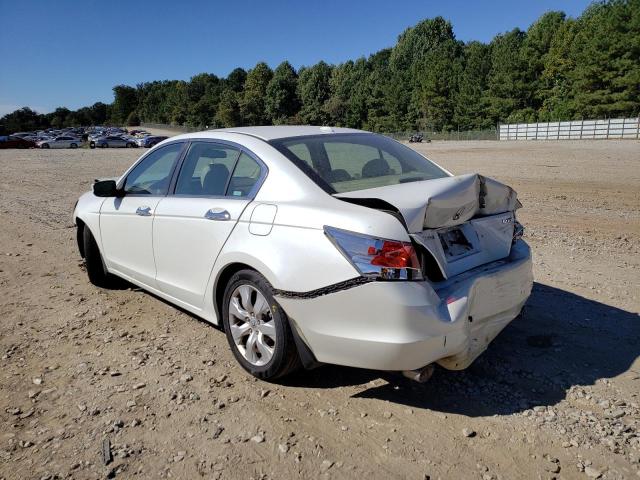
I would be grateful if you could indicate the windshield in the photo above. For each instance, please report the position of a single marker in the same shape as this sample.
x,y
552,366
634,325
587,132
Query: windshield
x,y
356,161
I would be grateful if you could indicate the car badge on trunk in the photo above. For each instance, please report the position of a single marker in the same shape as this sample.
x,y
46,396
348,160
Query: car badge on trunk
x,y
458,213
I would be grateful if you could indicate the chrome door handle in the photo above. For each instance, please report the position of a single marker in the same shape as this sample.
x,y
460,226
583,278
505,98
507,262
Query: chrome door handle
x,y
143,211
217,214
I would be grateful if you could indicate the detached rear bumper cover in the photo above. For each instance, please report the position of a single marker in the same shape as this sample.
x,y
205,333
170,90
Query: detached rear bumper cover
x,y
407,325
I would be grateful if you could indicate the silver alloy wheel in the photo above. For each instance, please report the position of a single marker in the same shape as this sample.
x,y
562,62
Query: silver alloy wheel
x,y
252,326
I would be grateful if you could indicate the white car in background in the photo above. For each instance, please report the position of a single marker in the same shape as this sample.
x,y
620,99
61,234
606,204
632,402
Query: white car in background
x,y
314,245
64,141
113,141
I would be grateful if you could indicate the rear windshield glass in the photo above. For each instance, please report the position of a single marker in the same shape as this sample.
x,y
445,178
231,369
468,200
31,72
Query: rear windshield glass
x,y
356,161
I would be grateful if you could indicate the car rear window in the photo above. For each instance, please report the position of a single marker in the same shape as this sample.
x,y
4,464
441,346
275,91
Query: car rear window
x,y
349,162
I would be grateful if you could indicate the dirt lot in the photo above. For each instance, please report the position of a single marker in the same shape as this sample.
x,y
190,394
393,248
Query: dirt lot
x,y
556,396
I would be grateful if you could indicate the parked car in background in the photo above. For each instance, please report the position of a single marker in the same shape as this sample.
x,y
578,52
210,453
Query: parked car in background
x,y
138,133
93,136
315,244
150,140
31,137
140,140
63,141
16,142
112,141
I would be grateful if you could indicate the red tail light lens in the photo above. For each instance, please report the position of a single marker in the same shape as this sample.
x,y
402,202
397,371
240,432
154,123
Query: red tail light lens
x,y
376,257
394,255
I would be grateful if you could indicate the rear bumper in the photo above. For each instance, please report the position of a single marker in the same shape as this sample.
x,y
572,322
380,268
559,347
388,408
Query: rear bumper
x,y
407,325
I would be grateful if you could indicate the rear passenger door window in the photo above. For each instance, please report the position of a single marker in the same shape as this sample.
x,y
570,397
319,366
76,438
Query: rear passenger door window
x,y
206,170
216,170
245,177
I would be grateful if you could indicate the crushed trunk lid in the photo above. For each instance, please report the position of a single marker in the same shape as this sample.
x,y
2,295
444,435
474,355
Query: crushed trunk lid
x,y
442,202
463,221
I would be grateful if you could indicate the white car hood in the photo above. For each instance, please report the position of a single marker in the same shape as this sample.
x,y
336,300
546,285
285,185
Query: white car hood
x,y
443,202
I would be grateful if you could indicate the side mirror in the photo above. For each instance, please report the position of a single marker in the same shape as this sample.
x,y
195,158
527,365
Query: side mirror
x,y
106,188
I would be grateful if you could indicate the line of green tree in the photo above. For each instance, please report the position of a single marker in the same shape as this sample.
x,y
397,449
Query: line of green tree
x,y
559,69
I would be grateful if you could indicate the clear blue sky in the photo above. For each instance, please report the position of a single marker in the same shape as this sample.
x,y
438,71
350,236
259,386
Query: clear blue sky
x,y
71,53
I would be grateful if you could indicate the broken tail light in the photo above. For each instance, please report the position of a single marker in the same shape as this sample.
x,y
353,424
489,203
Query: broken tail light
x,y
379,258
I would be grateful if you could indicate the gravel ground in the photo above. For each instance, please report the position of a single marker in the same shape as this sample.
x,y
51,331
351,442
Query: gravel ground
x,y
86,371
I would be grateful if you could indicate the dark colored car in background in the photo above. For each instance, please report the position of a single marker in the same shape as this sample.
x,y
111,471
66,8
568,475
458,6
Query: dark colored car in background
x,y
150,141
16,142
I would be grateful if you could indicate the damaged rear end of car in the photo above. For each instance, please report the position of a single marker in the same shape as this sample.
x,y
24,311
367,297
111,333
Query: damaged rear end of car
x,y
439,295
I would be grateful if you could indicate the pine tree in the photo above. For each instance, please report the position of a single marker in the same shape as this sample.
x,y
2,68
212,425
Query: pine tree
x,y
469,103
252,103
281,98
313,90
228,113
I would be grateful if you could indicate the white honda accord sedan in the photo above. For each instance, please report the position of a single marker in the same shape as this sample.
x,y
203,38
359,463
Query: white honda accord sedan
x,y
313,245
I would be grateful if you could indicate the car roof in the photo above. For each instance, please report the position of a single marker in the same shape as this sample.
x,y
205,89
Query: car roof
x,y
283,131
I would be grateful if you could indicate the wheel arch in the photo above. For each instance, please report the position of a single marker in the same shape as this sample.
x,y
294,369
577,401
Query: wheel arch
x,y
86,214
81,226
222,279
305,354
80,235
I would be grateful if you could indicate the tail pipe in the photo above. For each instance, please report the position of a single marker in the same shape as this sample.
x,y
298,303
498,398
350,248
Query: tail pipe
x,y
421,375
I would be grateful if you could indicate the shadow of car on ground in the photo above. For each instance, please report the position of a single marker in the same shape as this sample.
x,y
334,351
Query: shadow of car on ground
x,y
560,340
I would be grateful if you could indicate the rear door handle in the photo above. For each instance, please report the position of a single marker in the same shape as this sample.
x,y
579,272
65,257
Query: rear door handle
x,y
217,214
143,211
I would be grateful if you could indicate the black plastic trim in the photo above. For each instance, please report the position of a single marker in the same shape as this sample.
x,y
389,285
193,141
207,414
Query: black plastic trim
x,y
336,287
308,359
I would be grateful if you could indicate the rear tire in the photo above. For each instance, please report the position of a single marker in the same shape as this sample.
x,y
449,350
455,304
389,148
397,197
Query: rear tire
x,y
74,145
104,145
96,269
92,145
284,358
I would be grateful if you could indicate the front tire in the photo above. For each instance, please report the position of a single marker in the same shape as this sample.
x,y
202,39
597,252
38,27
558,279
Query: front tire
x,y
45,145
74,145
257,328
96,269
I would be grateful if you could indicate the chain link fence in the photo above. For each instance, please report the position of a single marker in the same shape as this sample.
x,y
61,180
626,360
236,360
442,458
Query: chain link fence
x,y
489,134
174,128
457,135
611,128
